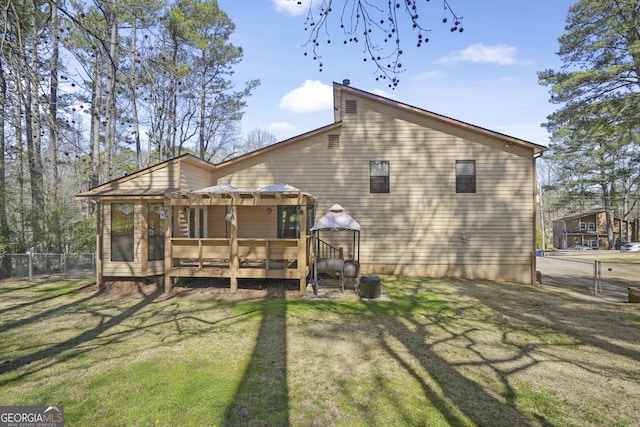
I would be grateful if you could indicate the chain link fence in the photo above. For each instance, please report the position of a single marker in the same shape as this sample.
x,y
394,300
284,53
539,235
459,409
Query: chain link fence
x,y
609,280
35,265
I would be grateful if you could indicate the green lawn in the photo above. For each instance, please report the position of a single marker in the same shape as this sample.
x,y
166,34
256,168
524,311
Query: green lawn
x,y
442,352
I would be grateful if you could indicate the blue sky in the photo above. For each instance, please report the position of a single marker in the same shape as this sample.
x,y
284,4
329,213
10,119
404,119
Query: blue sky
x,y
486,76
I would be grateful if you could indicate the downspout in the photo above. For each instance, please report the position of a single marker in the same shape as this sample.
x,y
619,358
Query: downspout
x,y
534,216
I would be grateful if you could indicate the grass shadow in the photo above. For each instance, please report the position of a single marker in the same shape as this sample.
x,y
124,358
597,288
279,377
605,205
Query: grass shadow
x,y
412,321
42,300
585,321
78,342
262,398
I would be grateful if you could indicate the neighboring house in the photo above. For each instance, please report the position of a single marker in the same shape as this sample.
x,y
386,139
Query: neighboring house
x,y
434,196
589,228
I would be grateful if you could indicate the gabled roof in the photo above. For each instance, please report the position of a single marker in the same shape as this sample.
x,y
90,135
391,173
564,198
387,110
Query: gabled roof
x,y
588,212
280,145
339,90
112,188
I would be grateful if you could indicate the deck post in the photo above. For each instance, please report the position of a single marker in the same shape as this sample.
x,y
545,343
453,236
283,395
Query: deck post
x,y
302,246
232,219
168,230
99,249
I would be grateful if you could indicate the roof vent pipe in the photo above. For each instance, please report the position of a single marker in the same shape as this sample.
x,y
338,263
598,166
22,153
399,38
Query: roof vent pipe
x,y
346,82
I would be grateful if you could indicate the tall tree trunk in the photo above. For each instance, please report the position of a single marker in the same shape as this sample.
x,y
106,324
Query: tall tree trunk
x,y
110,101
33,129
606,198
35,164
203,113
134,101
96,100
172,125
4,222
55,228
22,209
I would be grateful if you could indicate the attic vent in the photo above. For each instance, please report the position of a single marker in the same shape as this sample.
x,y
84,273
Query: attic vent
x,y
334,141
351,107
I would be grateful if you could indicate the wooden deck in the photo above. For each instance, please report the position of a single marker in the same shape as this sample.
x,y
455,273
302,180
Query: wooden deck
x,y
256,259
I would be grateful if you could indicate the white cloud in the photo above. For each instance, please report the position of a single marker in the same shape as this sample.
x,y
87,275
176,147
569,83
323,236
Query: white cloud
x,y
291,7
501,54
312,96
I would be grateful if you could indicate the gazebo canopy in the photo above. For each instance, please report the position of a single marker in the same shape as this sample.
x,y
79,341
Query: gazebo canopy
x,y
336,219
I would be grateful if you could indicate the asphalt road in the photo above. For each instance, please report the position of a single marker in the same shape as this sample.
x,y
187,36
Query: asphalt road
x,y
572,272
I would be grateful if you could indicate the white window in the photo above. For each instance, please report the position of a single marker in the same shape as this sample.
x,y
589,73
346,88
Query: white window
x,y
465,176
583,226
379,176
592,226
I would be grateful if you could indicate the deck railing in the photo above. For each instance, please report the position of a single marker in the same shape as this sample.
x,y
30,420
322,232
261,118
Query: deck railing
x,y
202,253
325,250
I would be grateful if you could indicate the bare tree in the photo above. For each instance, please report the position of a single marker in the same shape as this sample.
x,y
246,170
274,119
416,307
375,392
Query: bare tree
x,y
256,139
375,25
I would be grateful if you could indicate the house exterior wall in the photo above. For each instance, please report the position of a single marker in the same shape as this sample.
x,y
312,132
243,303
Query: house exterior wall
x,y
422,226
216,224
257,222
193,177
158,179
601,222
187,172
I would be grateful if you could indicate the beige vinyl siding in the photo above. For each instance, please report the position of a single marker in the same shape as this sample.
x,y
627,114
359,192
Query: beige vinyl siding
x,y
194,178
256,222
216,224
155,268
171,175
417,228
158,179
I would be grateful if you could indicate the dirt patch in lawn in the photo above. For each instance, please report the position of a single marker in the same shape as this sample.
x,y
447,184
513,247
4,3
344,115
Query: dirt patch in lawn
x,y
198,289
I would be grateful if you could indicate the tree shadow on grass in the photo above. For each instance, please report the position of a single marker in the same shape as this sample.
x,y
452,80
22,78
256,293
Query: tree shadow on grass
x,y
64,348
262,397
589,322
39,301
458,398
474,345
428,340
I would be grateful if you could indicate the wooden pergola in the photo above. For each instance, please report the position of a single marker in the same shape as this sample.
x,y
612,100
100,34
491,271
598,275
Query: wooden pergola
x,y
248,246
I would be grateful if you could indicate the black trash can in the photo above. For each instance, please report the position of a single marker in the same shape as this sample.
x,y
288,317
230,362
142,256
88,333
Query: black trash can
x,y
370,287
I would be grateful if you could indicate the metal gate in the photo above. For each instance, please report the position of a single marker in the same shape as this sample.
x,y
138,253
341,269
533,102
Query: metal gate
x,y
608,280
